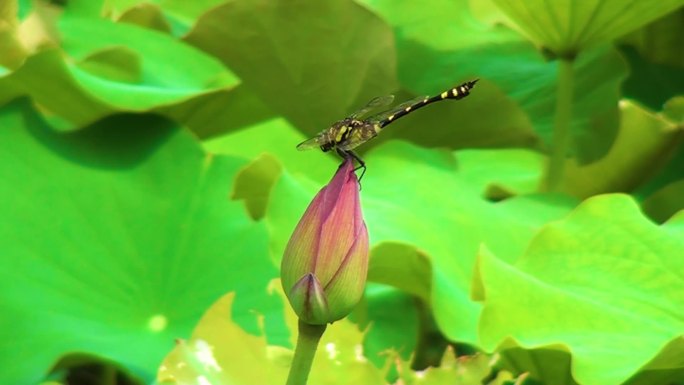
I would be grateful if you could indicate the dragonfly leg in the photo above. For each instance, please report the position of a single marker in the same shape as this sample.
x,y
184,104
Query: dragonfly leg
x,y
346,154
362,164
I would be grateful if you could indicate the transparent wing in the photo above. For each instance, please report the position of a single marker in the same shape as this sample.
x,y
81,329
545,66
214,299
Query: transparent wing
x,y
380,101
309,144
383,115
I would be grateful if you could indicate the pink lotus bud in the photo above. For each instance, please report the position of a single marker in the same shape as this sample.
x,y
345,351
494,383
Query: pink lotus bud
x,y
326,260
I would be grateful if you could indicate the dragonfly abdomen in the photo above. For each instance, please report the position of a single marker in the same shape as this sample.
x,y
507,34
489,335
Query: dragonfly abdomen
x,y
458,92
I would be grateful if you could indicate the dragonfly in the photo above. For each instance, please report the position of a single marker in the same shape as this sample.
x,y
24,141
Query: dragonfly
x,y
345,135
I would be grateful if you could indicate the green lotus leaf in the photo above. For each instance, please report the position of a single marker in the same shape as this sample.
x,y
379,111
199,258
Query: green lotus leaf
x,y
212,354
470,370
656,62
674,110
463,209
651,83
180,14
115,63
646,141
664,203
676,224
278,138
113,67
536,365
412,275
146,15
389,318
254,184
221,112
13,54
48,80
9,13
115,239
508,172
24,8
659,41
192,71
568,27
668,171
603,284
311,76
92,9
443,42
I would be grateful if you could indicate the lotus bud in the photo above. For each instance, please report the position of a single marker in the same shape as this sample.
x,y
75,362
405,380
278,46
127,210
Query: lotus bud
x,y
325,264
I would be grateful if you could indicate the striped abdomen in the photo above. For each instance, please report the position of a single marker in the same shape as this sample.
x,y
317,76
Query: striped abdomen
x,y
457,92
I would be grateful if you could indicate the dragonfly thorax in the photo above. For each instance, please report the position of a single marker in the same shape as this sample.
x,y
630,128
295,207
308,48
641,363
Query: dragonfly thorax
x,y
347,134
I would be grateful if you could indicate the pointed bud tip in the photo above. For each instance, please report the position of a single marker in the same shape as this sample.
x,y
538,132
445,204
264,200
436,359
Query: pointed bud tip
x,y
309,301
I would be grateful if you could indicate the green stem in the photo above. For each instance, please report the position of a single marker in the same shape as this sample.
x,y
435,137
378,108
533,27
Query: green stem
x,y
307,342
561,129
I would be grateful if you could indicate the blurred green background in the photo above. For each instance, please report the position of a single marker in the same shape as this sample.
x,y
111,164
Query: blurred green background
x,y
148,167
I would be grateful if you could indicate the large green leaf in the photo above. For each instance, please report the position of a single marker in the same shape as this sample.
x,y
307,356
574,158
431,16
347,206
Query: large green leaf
x,y
278,138
645,143
389,318
181,14
419,198
567,27
662,204
503,172
310,61
652,83
660,40
412,275
674,109
192,71
444,41
676,224
604,284
114,241
220,352
113,67
46,78
9,13
24,7
221,112
146,15
401,196
13,53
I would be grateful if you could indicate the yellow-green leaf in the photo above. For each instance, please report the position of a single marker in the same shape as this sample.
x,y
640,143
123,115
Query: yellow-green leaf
x,y
568,26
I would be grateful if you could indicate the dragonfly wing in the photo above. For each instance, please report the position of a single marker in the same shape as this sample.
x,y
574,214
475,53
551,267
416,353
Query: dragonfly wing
x,y
380,101
309,144
383,115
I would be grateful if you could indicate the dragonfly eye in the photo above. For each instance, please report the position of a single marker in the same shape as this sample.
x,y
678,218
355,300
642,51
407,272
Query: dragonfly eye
x,y
326,147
